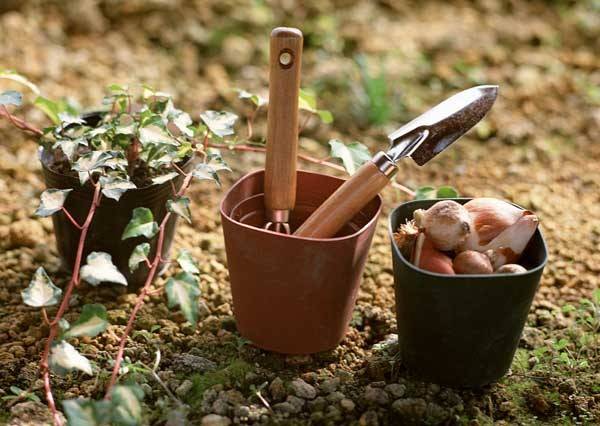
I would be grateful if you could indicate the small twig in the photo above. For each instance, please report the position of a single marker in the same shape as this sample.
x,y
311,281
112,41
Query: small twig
x,y
181,172
205,141
304,123
403,188
71,219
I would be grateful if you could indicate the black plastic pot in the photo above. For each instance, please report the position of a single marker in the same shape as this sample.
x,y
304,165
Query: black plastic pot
x,y
110,219
461,330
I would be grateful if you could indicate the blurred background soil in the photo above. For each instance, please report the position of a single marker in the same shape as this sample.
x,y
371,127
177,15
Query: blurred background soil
x,y
374,65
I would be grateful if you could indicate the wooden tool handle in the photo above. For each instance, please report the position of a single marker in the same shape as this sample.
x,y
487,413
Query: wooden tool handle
x,y
282,131
344,203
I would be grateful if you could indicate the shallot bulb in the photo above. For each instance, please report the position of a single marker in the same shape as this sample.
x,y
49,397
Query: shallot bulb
x,y
472,262
447,224
511,268
510,244
427,257
500,230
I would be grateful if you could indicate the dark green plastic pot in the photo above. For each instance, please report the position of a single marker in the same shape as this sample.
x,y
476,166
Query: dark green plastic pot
x,y
461,330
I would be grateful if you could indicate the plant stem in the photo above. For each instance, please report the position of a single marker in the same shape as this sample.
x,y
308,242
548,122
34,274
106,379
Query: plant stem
x,y
249,148
19,123
64,305
145,290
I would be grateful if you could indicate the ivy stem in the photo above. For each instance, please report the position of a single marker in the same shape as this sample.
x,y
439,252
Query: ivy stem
x,y
304,157
20,123
155,263
71,219
64,305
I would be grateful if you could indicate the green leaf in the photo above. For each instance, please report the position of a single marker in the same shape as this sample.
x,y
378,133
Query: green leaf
x,y
87,412
126,406
100,268
153,134
181,207
89,163
182,290
138,255
352,155
164,178
11,97
41,290
187,262
65,358
14,76
205,171
425,193
307,100
446,192
219,122
48,107
51,201
255,99
141,223
430,193
92,321
325,116
596,296
115,187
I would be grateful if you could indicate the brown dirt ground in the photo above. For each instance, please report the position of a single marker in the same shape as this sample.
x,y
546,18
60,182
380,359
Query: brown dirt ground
x,y
537,149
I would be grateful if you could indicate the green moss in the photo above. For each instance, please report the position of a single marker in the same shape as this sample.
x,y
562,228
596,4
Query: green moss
x,y
231,375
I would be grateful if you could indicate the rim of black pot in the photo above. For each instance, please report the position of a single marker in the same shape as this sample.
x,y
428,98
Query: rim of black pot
x,y
391,232
374,217
91,116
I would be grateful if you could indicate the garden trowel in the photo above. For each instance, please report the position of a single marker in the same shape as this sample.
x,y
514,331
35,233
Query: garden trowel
x,y
421,139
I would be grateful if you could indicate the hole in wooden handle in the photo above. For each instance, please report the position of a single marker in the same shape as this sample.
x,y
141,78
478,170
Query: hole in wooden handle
x,y
286,58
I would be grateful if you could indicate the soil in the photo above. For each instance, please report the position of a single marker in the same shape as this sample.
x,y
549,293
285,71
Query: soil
x,y
537,148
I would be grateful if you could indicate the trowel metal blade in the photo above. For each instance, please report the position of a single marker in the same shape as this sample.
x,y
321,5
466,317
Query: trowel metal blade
x,y
433,131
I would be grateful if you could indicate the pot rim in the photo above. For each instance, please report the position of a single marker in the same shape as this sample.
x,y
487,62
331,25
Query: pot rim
x,y
374,217
76,184
406,263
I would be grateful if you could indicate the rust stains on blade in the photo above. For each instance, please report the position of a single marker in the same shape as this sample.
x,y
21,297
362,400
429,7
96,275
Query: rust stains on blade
x,y
448,129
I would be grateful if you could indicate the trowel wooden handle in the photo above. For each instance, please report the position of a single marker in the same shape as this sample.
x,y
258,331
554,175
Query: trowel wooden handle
x,y
344,203
282,131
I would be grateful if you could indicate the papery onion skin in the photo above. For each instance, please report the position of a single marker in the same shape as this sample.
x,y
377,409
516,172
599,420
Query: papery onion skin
x,y
447,224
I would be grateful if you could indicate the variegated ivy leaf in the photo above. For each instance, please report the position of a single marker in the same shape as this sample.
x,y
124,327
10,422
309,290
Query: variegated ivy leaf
x,y
87,412
141,224
89,163
41,291
182,120
209,169
97,131
255,99
181,207
92,321
138,255
187,262
100,268
67,119
115,187
126,406
353,155
11,97
65,358
153,134
69,146
51,201
182,290
219,122
164,178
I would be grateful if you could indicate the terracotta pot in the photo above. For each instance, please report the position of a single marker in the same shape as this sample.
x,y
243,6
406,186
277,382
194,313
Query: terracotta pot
x,y
461,330
290,294
110,220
